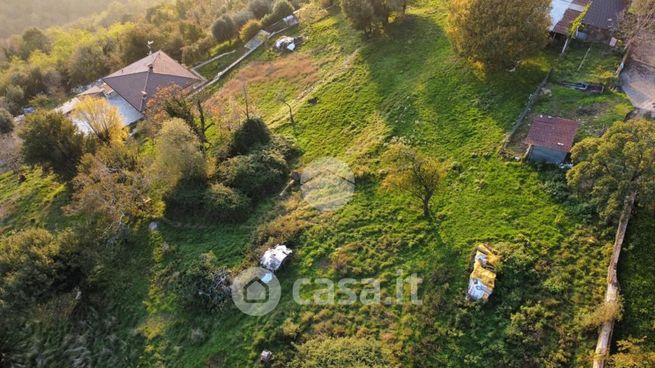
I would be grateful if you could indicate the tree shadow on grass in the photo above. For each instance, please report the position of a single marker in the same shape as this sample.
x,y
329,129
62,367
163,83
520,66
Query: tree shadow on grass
x,y
429,89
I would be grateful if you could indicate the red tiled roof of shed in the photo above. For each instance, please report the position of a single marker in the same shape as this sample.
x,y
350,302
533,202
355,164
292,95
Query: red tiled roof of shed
x,y
553,133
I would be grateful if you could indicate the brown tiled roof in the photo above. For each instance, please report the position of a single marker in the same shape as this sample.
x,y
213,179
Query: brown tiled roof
x,y
564,25
553,133
605,14
141,80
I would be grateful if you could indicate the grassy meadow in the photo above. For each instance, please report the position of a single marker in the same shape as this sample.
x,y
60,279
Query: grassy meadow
x,y
406,82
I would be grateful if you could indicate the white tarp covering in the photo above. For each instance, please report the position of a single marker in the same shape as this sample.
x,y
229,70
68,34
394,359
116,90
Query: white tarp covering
x,y
478,290
273,259
284,42
291,20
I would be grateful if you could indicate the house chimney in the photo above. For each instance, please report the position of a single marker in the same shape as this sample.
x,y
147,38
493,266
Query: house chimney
x,y
151,67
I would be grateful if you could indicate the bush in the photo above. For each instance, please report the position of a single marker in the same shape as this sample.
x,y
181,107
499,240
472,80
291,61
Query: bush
x,y
187,199
6,122
259,8
242,17
281,9
30,267
54,142
285,146
606,312
257,174
15,97
223,29
225,204
250,30
206,284
325,3
252,134
343,352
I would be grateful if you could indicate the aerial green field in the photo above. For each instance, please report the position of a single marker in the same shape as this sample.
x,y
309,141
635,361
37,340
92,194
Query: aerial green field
x,y
406,83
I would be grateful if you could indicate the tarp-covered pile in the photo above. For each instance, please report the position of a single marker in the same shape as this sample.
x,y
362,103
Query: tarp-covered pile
x,y
483,277
273,259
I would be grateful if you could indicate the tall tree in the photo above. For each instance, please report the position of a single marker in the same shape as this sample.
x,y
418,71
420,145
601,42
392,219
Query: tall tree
x,y
111,191
6,122
29,267
224,29
414,172
178,156
10,155
87,64
609,169
52,141
615,171
102,119
171,102
34,39
498,33
360,13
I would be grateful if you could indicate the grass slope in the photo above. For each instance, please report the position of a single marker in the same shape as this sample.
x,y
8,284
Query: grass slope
x,y
405,83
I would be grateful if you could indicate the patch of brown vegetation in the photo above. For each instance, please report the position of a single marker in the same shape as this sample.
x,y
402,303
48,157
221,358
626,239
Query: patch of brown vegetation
x,y
6,209
296,69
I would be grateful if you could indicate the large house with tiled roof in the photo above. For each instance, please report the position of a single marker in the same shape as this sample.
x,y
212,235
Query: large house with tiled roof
x,y
130,88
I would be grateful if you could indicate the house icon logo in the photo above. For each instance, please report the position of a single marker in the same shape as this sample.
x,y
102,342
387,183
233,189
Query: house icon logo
x,y
256,291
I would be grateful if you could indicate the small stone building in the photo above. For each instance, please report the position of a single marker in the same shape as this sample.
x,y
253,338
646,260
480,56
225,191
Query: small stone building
x,y
550,139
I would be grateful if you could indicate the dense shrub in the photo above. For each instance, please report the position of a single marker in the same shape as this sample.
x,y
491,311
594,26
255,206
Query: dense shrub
x,y
325,3
257,174
223,29
15,98
250,30
186,199
259,8
205,283
343,352
242,17
29,267
281,9
216,202
54,142
252,134
285,146
191,54
225,204
6,122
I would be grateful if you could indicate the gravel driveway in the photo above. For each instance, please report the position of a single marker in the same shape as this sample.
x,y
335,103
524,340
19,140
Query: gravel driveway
x,y
638,77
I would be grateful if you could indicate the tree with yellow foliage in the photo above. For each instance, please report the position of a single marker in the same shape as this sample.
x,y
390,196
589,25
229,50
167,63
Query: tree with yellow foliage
x,y
414,172
102,119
